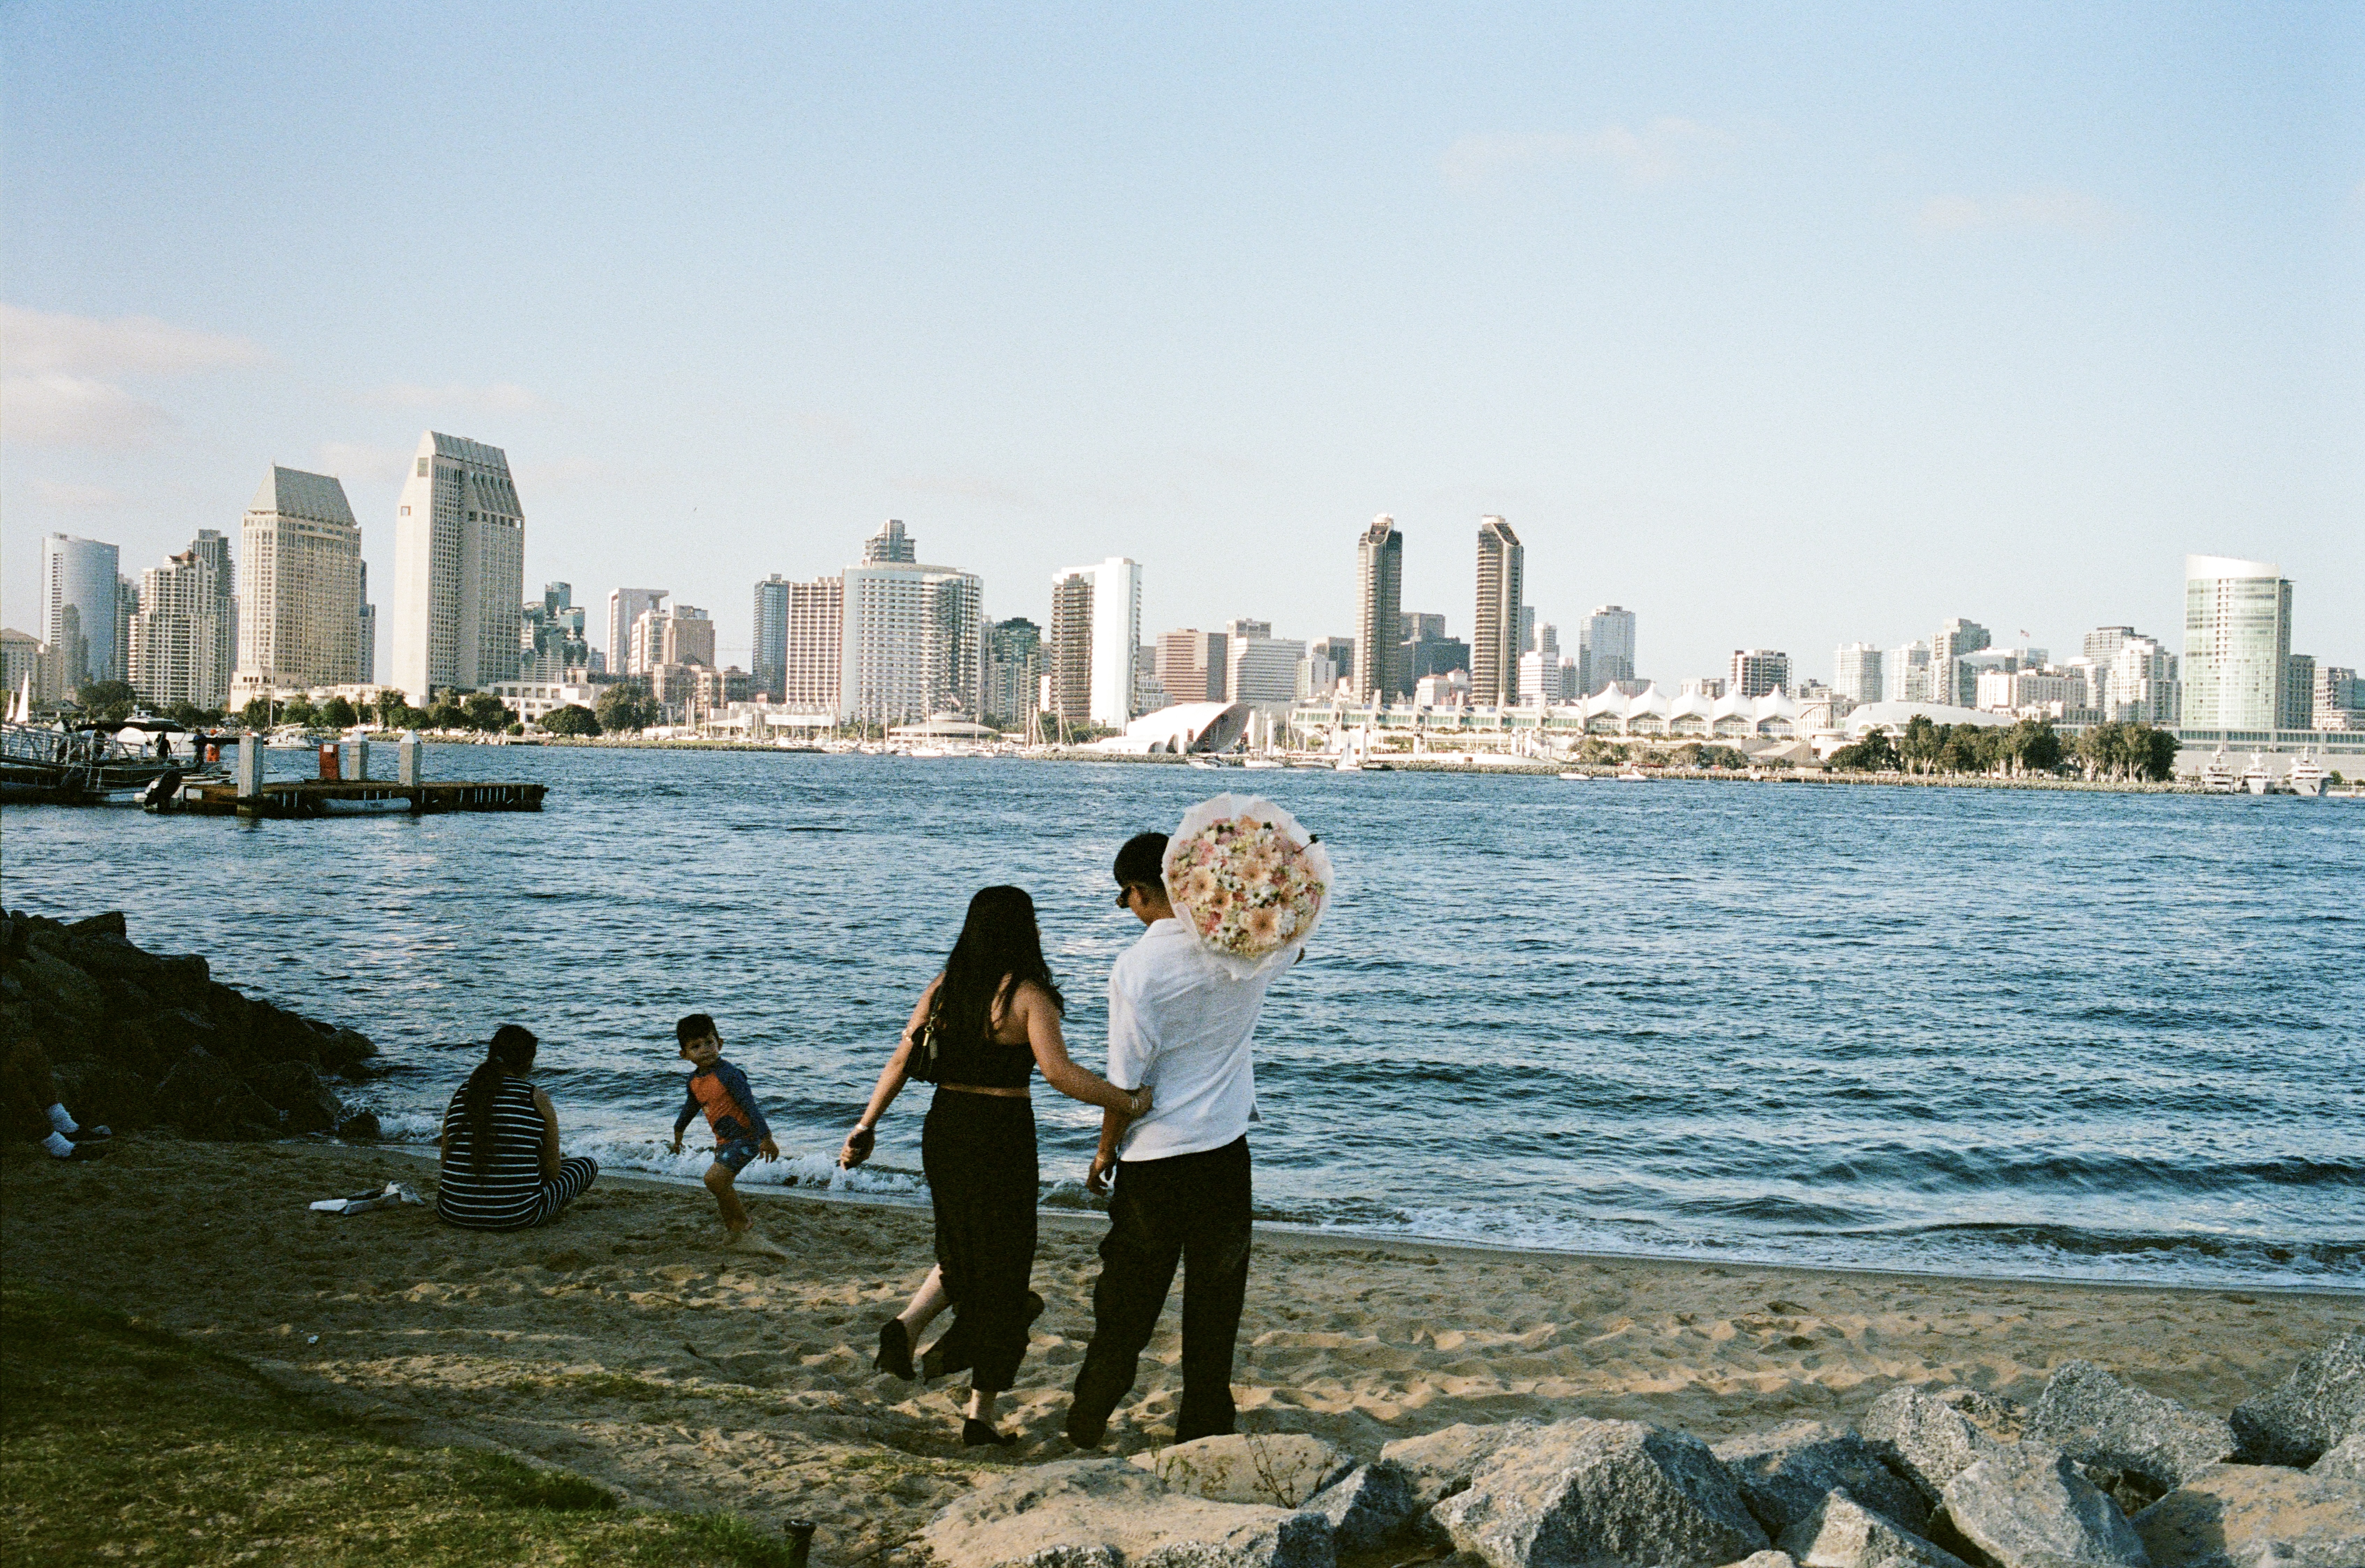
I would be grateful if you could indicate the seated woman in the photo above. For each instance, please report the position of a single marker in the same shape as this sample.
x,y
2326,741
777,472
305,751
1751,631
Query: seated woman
x,y
501,1169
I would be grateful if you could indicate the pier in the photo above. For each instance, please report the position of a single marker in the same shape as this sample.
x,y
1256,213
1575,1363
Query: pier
x,y
355,797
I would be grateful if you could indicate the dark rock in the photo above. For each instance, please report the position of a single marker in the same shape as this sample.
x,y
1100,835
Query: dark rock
x,y
52,980
2321,1402
1583,1491
2027,1507
296,1091
105,1095
1785,1475
107,924
2246,1516
1924,1439
203,1097
1840,1532
346,1051
2105,1425
360,1124
1368,1508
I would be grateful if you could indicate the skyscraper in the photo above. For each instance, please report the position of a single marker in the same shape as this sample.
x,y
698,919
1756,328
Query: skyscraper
x,y
1014,672
180,639
625,607
78,588
1379,590
913,636
1855,672
890,546
1606,648
459,569
814,643
770,653
368,633
1953,681
2237,642
1905,673
1494,634
2297,709
1095,633
1758,672
1192,666
299,573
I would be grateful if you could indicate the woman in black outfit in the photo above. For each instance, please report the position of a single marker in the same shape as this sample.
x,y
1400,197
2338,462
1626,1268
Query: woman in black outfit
x,y
994,1016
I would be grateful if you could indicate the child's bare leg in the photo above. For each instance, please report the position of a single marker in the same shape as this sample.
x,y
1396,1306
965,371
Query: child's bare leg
x,y
926,1302
722,1181
980,1406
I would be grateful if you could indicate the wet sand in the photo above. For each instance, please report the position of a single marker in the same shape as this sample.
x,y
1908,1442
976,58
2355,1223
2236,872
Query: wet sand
x,y
624,1343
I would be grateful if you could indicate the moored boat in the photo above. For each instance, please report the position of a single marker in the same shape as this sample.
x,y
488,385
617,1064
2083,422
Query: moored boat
x,y
2307,778
2217,776
2256,778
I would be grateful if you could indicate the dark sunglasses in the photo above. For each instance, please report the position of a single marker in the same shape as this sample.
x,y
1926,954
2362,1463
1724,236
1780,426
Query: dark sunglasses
x,y
1124,894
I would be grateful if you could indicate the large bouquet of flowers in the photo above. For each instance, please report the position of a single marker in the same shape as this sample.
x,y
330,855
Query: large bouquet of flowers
x,y
1249,882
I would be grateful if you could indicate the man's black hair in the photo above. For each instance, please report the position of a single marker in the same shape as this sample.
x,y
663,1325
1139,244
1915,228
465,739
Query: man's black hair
x,y
697,1027
1143,860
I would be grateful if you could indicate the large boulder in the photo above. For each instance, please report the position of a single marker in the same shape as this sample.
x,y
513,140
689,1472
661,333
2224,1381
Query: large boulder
x,y
1441,1463
2246,1516
51,982
2319,1402
1785,1475
1840,1532
2106,1426
1280,1470
296,1091
203,1097
1924,1439
1369,1506
104,1096
2345,1458
1601,1491
2027,1507
1107,1513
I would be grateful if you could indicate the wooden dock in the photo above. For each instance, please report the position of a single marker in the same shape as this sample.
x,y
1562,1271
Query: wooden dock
x,y
357,797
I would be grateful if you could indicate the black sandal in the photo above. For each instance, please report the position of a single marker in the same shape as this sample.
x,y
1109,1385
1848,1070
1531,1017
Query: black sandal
x,y
976,1434
895,1349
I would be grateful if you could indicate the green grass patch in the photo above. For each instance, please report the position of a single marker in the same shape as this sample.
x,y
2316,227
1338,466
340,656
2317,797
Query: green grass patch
x,y
120,1443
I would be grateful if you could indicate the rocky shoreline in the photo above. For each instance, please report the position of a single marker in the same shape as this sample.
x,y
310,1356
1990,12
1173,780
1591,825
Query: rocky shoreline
x,y
141,1039
2096,1472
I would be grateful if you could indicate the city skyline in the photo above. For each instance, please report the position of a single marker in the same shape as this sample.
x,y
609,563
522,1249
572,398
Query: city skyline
x,y
1719,310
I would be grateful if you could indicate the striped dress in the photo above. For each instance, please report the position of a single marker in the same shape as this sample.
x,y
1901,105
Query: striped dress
x,y
509,1194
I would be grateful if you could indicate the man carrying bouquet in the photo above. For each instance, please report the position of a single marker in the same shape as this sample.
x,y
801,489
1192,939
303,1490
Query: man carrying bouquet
x,y
1179,1021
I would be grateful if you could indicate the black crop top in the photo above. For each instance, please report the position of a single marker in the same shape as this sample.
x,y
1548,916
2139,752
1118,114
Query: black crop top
x,y
985,1063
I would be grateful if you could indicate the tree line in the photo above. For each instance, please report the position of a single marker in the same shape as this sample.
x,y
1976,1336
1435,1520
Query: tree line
x,y
2117,750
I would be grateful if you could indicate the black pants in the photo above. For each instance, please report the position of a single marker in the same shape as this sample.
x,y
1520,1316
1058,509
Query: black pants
x,y
979,1153
1192,1209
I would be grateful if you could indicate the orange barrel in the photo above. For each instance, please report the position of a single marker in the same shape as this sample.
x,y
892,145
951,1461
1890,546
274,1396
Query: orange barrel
x,y
328,763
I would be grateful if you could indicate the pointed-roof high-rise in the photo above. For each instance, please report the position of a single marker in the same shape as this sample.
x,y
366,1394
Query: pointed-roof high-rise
x,y
459,570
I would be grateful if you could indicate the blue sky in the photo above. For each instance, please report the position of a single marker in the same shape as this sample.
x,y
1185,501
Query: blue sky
x,y
1782,325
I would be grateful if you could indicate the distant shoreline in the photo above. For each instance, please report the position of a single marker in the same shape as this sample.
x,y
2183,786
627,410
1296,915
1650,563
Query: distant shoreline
x,y
1600,773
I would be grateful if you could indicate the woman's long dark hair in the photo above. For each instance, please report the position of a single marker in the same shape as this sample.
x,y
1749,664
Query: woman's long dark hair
x,y
512,1051
999,950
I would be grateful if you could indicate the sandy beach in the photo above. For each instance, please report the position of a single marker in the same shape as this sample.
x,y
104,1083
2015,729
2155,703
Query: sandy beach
x,y
625,1344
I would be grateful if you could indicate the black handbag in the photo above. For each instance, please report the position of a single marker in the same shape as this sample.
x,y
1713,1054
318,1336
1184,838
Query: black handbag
x,y
926,1060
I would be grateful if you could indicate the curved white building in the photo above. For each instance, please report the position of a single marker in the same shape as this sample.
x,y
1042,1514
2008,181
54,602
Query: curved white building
x,y
1185,726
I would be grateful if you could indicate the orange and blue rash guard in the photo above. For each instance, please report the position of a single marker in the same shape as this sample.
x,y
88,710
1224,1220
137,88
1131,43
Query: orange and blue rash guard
x,y
722,1092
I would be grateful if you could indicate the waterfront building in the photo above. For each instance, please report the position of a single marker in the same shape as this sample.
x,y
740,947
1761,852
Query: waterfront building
x,y
1192,666
1494,638
533,701
1327,661
78,588
2061,691
1095,643
770,653
1014,672
1450,690
459,569
891,546
626,608
1758,671
181,648
813,645
20,664
1905,673
2297,709
1547,678
1953,681
2236,644
913,636
1261,671
2338,701
2140,684
300,591
127,605
1379,592
1855,672
1605,647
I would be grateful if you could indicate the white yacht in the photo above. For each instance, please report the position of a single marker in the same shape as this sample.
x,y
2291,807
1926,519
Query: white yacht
x,y
2217,776
2306,779
2256,778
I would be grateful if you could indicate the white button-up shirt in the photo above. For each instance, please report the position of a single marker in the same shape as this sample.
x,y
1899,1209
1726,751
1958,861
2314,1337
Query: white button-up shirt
x,y
1179,1024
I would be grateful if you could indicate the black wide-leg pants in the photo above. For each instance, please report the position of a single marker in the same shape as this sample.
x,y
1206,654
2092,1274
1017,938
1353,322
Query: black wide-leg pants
x,y
1192,1209
978,1151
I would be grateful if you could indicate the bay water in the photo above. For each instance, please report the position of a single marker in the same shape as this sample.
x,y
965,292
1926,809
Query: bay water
x,y
1987,1031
